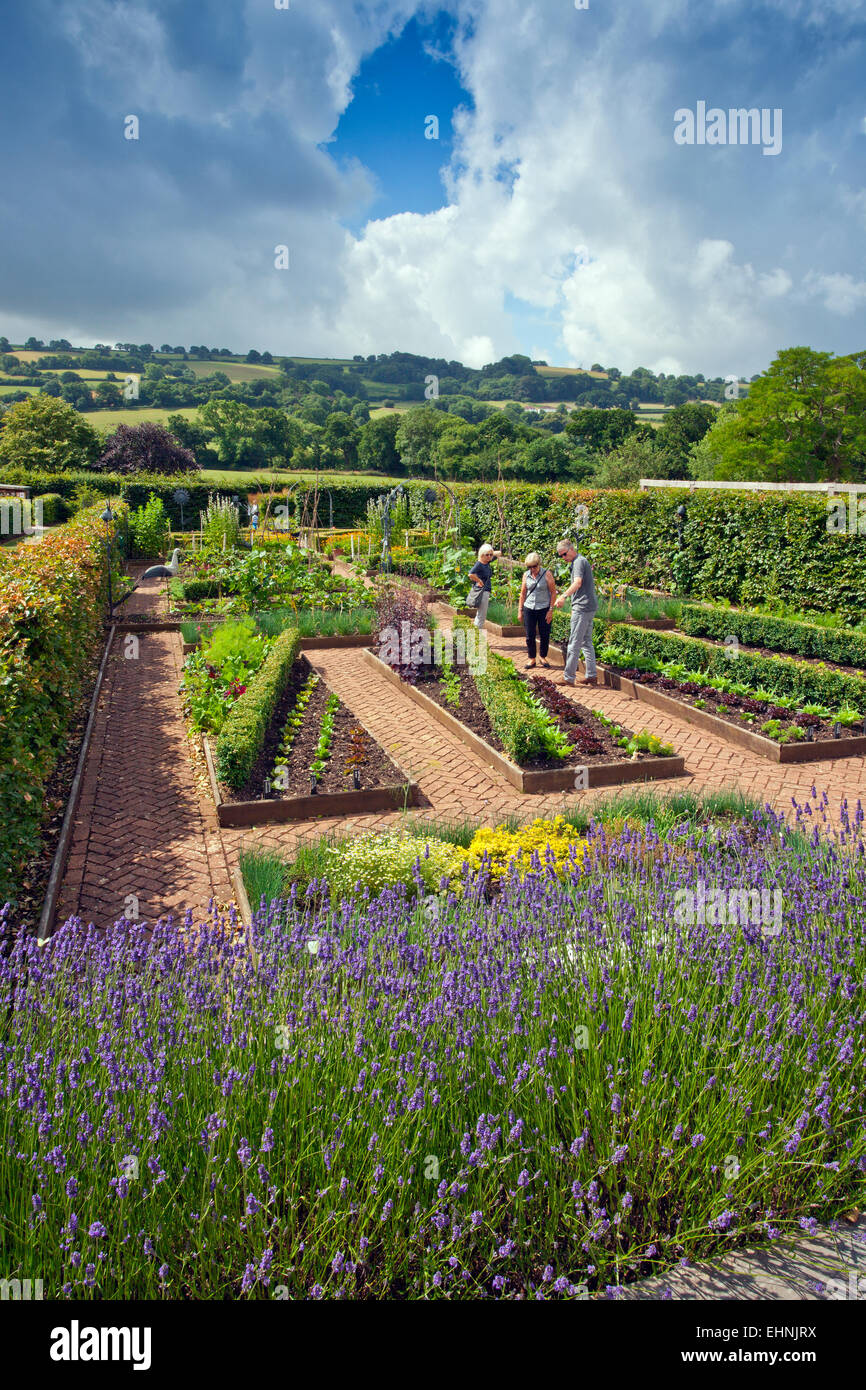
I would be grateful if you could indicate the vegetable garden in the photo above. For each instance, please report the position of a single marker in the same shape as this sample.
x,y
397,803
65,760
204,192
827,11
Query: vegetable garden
x,y
427,1055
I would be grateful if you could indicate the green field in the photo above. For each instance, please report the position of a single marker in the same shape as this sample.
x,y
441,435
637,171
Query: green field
x,y
110,419
237,479
235,371
569,371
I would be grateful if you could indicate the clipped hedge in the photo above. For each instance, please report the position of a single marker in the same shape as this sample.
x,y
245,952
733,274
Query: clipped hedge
x,y
747,548
52,605
811,684
54,508
195,590
243,735
780,634
516,723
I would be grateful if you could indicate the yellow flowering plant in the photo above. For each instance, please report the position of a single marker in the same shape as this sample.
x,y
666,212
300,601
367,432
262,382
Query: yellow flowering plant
x,y
558,846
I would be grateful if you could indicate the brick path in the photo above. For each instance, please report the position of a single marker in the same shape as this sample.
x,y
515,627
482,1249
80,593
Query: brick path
x,y
142,829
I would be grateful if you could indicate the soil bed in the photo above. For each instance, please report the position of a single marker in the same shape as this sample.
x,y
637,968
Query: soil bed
x,y
609,765
722,719
730,707
350,740
592,741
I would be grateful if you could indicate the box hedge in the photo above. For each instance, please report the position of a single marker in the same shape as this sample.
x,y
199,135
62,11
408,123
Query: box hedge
x,y
779,634
242,737
518,725
813,684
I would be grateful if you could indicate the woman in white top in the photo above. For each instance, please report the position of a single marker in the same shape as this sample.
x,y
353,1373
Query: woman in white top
x,y
535,607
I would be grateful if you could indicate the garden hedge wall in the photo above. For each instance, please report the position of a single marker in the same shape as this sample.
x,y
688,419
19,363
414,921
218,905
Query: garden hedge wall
x,y
779,634
784,676
52,605
743,547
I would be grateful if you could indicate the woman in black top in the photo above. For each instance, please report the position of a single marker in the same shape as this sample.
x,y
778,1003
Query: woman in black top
x,y
481,575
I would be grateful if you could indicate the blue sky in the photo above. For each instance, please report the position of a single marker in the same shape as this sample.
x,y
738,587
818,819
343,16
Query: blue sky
x,y
406,80
555,215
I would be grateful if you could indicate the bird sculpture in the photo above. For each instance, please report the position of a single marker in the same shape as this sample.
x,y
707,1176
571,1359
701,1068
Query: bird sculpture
x,y
169,571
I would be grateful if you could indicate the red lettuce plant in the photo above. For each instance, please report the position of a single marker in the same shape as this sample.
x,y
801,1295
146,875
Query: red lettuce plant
x,y
403,627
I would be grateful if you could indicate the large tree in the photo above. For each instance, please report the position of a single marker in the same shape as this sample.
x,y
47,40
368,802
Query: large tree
x,y
147,448
602,430
48,434
804,420
417,434
377,447
681,428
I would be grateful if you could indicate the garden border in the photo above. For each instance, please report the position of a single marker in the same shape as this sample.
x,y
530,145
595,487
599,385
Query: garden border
x,y
731,733
532,780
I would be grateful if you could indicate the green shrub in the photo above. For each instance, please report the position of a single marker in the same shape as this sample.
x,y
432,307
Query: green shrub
x,y
779,674
148,528
242,736
780,634
54,508
525,730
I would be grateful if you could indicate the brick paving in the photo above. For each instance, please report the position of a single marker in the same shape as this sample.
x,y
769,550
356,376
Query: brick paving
x,y
142,828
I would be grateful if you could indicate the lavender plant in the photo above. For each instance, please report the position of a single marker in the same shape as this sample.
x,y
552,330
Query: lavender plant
x,y
568,1087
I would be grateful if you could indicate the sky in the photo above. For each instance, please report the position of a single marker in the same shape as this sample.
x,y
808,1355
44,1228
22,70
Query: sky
x,y
560,210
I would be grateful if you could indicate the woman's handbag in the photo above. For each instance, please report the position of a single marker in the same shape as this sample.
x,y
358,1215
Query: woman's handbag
x,y
473,598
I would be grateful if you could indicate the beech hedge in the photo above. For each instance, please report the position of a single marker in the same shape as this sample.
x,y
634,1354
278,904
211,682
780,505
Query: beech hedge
x,y
52,606
746,548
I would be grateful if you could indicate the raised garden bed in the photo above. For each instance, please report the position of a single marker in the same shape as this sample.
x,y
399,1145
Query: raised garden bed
x,y
724,723
605,768
279,786
314,644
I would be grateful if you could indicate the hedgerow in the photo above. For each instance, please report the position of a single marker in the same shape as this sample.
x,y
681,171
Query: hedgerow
x,y
242,736
52,597
780,634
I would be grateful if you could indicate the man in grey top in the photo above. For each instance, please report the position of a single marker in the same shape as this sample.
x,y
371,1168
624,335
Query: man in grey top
x,y
584,605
